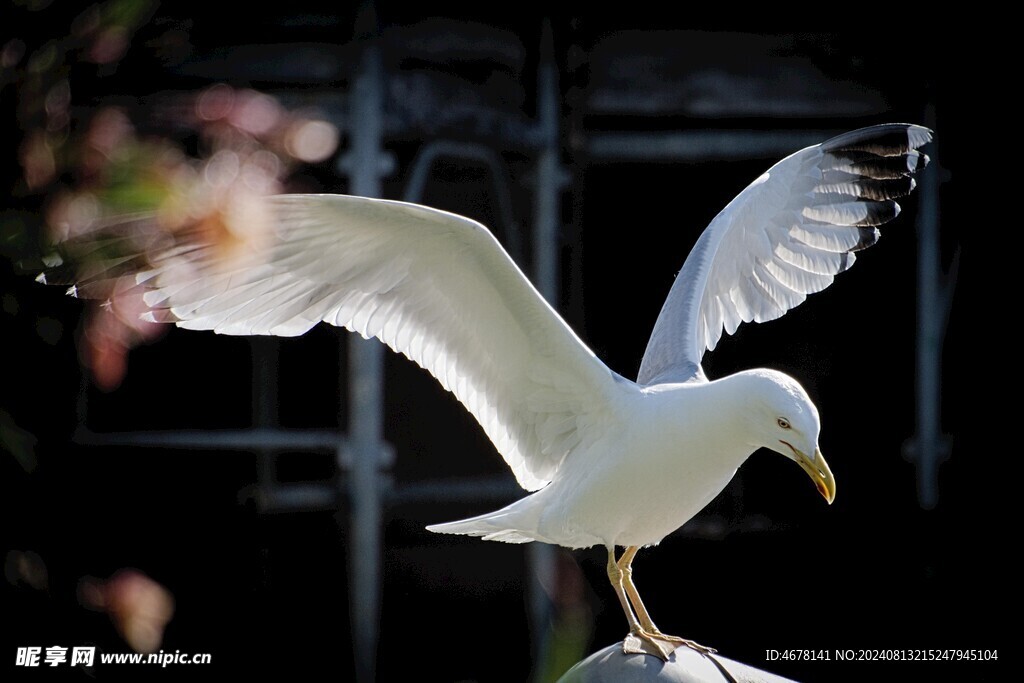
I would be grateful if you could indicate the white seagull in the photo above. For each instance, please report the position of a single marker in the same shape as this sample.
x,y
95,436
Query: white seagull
x,y
608,461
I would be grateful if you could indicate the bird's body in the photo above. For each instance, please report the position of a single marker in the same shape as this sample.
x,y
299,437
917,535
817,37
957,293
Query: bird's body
x,y
645,474
610,461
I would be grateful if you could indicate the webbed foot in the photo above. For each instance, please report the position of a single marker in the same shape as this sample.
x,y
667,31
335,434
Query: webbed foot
x,y
659,645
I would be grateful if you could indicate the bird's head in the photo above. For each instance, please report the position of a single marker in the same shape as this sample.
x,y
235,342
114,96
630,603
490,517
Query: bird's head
x,y
786,421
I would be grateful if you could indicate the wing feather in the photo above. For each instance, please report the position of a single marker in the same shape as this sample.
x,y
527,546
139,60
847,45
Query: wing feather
x,y
433,286
785,236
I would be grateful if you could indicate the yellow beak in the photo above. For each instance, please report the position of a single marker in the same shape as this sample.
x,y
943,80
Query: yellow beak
x,y
817,469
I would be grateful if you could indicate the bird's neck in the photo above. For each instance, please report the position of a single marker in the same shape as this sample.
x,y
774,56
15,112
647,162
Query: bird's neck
x,y
716,413
743,393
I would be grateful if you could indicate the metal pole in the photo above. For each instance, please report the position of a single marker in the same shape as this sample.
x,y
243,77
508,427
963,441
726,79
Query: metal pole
x,y
928,447
699,145
549,179
264,411
366,379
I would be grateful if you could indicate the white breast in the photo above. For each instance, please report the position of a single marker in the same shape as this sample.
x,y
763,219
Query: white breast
x,y
674,450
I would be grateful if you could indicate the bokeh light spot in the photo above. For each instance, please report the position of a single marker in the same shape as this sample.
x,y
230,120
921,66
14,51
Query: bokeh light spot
x,y
312,141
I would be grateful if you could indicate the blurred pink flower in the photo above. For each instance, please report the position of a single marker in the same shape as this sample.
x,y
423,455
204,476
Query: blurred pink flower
x,y
139,606
111,330
135,199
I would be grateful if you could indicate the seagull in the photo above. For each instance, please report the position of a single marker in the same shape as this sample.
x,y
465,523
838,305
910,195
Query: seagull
x,y
608,461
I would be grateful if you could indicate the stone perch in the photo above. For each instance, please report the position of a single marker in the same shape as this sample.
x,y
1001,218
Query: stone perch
x,y
612,665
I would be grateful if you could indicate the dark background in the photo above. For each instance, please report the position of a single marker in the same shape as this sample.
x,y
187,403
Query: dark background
x,y
767,566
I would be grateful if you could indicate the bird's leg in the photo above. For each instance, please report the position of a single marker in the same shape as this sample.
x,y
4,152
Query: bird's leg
x,y
625,567
638,641
625,564
615,576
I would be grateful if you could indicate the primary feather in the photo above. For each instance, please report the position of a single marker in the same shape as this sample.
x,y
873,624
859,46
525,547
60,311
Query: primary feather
x,y
785,236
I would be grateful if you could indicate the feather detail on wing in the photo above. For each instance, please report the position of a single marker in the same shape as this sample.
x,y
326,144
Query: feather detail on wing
x,y
785,236
432,285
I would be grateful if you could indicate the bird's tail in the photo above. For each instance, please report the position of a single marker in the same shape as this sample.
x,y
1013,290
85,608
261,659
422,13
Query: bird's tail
x,y
509,525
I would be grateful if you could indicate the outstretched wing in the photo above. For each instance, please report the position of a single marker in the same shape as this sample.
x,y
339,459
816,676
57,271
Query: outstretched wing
x,y
785,236
432,285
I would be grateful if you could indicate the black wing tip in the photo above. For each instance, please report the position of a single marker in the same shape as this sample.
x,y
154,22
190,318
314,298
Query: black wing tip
x,y
920,162
878,213
868,237
885,139
868,189
863,164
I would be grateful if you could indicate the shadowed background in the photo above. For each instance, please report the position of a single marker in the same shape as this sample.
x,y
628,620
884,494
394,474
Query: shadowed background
x,y
661,120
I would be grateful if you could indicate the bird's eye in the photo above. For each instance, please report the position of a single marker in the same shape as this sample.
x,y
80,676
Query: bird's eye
x,y
784,423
